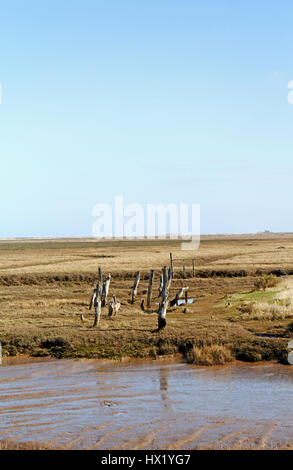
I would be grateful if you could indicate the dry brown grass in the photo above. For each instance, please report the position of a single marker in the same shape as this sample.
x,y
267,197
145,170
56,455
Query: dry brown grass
x,y
43,317
214,354
266,282
279,307
250,253
265,311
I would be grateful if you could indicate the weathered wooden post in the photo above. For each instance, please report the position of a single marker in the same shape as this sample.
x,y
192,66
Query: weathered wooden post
x,y
193,268
162,314
97,291
113,306
171,264
165,282
161,285
184,270
135,286
186,296
178,295
150,288
93,297
117,305
165,299
105,289
0,354
97,311
169,279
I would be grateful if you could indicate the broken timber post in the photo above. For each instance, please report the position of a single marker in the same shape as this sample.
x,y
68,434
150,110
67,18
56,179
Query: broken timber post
x,y
93,297
135,286
162,314
161,285
150,288
113,306
171,264
97,291
105,289
178,295
97,311
165,299
169,274
166,283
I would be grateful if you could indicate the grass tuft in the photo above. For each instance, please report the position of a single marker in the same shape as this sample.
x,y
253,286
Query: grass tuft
x,y
214,354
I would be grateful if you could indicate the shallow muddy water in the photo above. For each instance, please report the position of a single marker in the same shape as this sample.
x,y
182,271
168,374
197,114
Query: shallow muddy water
x,y
146,404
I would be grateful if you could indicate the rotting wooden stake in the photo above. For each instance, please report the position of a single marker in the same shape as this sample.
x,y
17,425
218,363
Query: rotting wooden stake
x,y
150,288
113,307
178,295
93,297
135,286
169,279
171,264
161,285
97,312
166,283
162,314
165,299
97,291
105,290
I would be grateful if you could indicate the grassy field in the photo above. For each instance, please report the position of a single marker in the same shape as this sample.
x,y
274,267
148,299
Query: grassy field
x,y
45,285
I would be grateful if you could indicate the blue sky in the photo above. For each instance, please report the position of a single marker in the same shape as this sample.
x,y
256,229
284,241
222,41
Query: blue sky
x,y
156,100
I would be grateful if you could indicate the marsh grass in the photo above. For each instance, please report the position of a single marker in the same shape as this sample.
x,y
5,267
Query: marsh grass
x,y
265,282
277,305
209,355
265,311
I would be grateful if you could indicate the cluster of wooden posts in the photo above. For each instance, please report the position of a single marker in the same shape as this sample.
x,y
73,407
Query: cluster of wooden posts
x,y
99,299
100,293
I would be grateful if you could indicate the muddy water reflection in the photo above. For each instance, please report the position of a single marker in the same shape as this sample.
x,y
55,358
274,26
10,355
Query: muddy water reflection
x,y
153,405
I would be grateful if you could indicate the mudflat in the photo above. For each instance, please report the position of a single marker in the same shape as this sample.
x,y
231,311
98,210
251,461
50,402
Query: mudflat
x,y
142,404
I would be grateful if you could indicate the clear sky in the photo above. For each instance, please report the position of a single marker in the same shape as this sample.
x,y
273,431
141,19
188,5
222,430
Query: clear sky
x,y
172,101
